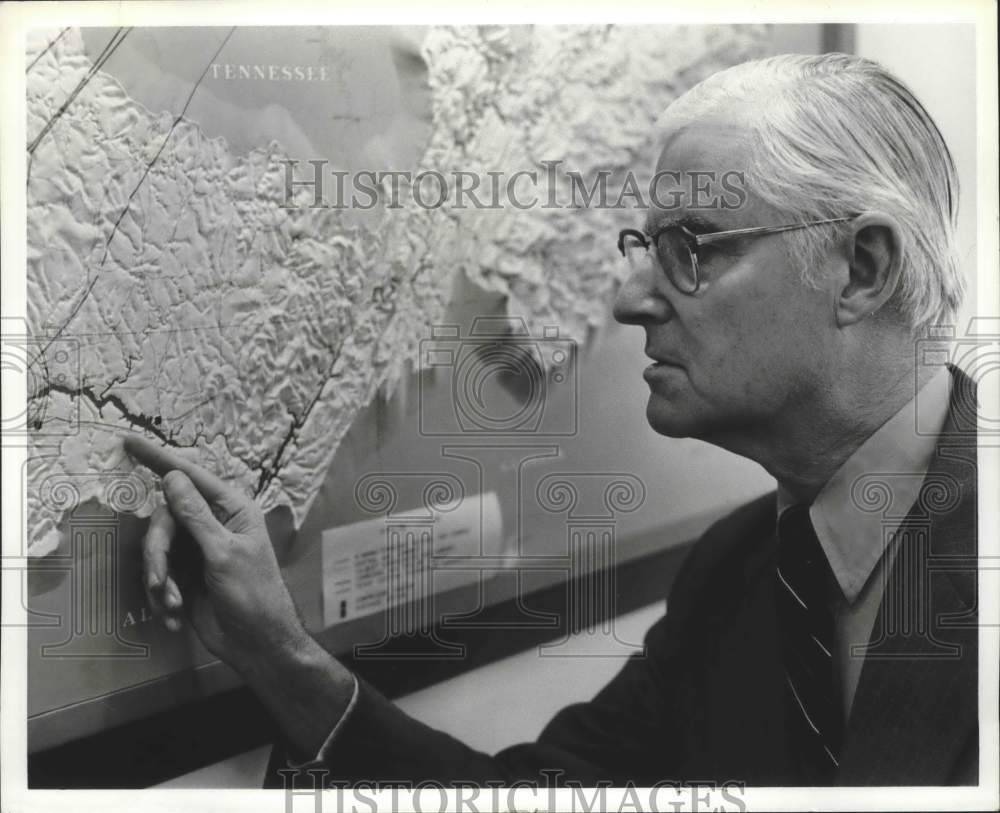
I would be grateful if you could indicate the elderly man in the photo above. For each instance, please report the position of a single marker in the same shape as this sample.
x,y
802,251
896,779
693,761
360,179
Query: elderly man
x,y
807,640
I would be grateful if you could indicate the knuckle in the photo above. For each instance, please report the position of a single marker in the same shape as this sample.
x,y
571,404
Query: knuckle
x,y
225,554
175,479
186,506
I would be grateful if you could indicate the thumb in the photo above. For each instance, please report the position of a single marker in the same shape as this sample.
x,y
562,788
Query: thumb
x,y
193,513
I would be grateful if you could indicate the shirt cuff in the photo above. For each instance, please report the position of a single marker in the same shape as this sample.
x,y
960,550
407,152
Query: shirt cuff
x,y
325,747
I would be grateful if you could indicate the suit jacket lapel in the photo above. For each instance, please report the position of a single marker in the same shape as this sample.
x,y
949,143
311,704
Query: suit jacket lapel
x,y
916,707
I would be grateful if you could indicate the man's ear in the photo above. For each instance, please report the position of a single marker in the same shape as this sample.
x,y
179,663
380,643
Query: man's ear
x,y
874,267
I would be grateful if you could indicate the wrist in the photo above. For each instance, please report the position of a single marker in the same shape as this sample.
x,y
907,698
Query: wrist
x,y
290,651
306,690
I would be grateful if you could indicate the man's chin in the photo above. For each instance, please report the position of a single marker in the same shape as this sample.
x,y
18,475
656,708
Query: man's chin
x,y
670,421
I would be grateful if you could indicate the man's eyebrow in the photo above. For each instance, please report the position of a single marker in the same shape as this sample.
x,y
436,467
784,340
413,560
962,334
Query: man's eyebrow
x,y
694,223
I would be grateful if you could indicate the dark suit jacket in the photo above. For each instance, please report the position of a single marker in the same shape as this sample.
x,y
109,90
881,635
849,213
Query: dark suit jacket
x,y
707,701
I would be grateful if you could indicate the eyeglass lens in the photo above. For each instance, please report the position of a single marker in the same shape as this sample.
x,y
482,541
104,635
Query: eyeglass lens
x,y
672,254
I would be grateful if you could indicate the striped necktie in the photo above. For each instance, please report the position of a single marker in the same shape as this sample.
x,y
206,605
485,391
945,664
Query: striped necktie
x,y
806,624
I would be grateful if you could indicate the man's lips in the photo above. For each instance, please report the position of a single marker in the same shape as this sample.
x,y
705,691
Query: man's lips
x,y
663,360
660,367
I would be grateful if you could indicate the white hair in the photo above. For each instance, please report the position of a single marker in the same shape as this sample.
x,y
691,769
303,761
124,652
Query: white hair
x,y
835,135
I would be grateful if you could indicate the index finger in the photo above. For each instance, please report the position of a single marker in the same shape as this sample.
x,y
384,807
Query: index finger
x,y
160,460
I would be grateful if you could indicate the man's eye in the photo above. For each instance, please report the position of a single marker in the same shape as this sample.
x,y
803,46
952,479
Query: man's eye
x,y
724,248
706,254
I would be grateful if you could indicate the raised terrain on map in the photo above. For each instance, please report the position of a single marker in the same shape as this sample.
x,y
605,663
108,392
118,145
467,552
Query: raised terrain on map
x,y
171,292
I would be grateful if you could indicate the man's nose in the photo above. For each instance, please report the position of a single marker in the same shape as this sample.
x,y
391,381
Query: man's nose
x,y
641,299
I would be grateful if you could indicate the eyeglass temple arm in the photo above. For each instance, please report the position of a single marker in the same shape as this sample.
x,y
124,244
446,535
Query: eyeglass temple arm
x,y
705,239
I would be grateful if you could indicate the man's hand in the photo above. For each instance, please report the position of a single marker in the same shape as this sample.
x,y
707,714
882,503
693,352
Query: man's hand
x,y
231,588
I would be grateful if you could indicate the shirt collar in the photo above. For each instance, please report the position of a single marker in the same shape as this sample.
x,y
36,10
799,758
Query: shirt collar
x,y
852,538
